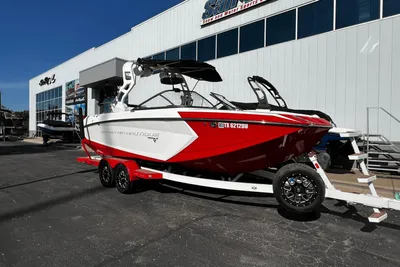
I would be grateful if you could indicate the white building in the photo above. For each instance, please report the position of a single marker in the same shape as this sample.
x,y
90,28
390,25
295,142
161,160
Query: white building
x,y
337,56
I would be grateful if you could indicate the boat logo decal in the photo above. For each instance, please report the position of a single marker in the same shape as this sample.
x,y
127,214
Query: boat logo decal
x,y
232,125
150,135
155,139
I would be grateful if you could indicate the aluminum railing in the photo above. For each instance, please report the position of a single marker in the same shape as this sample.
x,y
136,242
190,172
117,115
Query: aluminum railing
x,y
368,125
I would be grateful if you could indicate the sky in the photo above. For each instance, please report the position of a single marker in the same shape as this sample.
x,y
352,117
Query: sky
x,y
38,35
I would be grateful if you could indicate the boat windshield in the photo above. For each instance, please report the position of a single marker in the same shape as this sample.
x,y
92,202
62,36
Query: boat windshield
x,y
223,103
176,97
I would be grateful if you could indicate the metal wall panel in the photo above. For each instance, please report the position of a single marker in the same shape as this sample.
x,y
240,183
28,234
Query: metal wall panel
x,y
385,74
340,91
321,72
340,72
182,24
312,89
331,76
351,77
373,73
363,40
395,80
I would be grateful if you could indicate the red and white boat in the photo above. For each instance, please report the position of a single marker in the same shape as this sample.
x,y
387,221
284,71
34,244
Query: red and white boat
x,y
179,126
178,135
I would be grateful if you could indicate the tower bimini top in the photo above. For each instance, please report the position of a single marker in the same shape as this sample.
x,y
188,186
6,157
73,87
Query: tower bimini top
x,y
170,71
194,69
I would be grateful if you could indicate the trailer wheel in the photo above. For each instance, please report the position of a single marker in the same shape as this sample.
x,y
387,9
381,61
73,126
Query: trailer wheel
x,y
122,179
106,174
299,188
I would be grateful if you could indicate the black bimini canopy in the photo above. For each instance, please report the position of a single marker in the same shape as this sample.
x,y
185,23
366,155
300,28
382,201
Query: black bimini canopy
x,y
194,69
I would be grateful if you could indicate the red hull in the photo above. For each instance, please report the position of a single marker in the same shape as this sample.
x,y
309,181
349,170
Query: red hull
x,y
232,148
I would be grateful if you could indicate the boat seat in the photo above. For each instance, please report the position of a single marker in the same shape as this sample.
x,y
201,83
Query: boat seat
x,y
252,106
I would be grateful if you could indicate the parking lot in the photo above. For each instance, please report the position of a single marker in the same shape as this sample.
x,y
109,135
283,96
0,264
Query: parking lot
x,y
54,212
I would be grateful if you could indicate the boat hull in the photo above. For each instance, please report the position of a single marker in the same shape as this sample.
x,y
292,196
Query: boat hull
x,y
55,131
219,142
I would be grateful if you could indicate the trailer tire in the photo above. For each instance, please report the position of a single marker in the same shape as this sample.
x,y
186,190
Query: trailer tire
x,y
106,174
122,180
299,188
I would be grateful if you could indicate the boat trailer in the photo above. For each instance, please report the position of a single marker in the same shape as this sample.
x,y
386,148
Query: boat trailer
x,y
124,174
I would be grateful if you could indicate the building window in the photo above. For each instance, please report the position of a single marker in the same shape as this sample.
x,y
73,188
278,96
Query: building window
x,y
206,49
352,12
281,28
189,51
227,43
48,101
172,54
251,36
315,18
391,7
160,56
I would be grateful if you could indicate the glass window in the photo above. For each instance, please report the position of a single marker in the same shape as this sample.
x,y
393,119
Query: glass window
x,y
59,91
227,43
52,93
37,98
206,49
281,28
160,56
315,18
172,54
391,7
251,36
352,12
189,51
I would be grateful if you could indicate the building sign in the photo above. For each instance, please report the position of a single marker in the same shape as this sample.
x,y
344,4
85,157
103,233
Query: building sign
x,y
75,98
48,80
218,9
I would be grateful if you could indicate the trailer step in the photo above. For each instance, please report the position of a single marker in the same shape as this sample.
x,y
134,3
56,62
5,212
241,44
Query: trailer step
x,y
147,174
377,217
348,135
358,156
366,179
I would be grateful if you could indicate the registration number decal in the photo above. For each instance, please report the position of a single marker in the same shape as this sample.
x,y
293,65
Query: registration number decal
x,y
232,125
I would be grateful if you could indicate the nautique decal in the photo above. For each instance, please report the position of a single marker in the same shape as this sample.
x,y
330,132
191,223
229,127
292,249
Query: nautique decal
x,y
150,135
218,9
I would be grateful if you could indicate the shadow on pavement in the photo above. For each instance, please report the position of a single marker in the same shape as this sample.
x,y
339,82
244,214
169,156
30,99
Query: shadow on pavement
x,y
17,148
49,204
199,192
47,179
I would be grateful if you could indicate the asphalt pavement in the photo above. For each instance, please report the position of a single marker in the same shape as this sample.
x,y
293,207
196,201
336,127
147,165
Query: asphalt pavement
x,y
54,212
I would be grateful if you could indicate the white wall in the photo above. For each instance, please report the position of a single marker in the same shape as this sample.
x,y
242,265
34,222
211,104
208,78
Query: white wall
x,y
341,72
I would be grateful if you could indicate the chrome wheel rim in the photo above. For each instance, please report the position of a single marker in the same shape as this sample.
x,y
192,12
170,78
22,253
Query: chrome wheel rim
x,y
122,179
106,174
299,190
